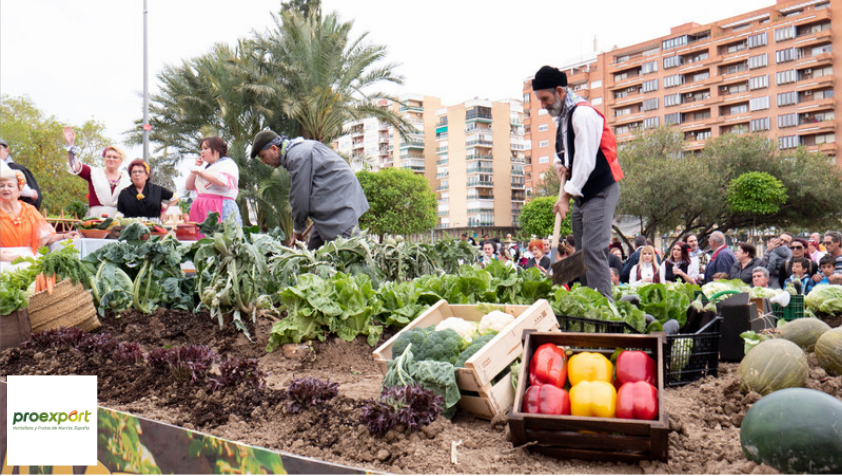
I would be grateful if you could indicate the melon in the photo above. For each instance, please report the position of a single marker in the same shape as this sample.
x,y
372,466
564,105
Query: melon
x,y
795,430
772,365
804,332
829,351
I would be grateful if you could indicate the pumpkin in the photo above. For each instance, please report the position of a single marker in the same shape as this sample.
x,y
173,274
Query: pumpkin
x,y
795,430
829,351
804,332
772,365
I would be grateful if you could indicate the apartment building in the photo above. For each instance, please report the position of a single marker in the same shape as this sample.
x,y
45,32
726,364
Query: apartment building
x,y
472,154
768,71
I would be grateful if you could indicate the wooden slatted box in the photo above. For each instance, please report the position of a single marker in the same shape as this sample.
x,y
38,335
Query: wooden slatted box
x,y
479,395
591,438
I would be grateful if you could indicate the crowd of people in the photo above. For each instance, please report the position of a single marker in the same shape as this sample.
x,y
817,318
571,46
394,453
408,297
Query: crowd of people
x,y
812,260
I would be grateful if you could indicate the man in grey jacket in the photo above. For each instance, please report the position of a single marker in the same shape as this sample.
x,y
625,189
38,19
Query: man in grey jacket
x,y
324,188
777,252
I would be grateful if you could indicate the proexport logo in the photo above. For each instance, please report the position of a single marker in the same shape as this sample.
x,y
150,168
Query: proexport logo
x,y
45,417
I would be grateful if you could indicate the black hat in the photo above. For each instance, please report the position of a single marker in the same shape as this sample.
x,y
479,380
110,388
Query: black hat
x,y
548,78
261,140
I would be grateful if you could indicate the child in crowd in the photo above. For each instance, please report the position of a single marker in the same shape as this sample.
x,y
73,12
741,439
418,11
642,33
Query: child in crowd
x,y
799,269
827,264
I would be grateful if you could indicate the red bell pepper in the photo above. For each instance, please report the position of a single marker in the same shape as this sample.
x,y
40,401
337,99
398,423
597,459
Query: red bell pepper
x,y
636,366
637,401
546,399
548,366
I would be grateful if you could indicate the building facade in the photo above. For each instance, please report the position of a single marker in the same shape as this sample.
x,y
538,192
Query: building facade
x,y
768,71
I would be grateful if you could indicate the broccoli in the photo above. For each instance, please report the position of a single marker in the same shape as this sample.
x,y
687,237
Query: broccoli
x,y
415,336
472,349
442,346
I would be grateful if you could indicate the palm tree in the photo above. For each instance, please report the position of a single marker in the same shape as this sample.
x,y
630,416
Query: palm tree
x,y
322,77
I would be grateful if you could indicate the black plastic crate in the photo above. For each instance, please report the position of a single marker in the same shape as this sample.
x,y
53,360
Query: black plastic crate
x,y
593,326
699,354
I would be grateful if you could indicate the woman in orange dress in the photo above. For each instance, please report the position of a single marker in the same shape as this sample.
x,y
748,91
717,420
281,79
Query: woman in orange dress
x,y
22,228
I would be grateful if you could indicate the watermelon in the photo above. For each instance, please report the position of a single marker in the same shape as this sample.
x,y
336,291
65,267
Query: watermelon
x,y
804,332
829,351
772,365
795,430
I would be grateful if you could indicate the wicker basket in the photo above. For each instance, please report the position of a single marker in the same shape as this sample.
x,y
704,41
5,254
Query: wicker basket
x,y
69,306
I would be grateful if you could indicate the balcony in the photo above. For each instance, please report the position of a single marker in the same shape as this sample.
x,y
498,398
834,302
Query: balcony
x,y
817,127
442,175
700,125
442,187
476,117
813,39
478,157
697,105
476,170
627,82
808,84
518,185
817,60
694,145
479,143
578,78
628,119
480,183
411,108
828,148
818,103
735,99
441,150
441,162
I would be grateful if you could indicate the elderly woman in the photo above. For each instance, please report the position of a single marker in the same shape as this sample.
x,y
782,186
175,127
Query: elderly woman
x,y
22,228
747,260
144,199
104,183
539,259
214,178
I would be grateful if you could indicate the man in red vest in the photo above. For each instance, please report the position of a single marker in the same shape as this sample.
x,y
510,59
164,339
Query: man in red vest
x,y
586,154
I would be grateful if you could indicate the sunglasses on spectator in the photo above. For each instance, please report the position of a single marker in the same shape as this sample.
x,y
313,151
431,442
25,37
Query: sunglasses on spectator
x,y
799,247
826,243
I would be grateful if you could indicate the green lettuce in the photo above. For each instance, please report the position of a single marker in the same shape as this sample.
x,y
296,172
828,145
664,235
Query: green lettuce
x,y
825,298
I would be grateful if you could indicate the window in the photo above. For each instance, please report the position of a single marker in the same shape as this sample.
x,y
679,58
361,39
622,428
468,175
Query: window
x,y
542,112
701,116
651,122
759,82
758,61
787,99
673,81
788,142
650,67
649,104
756,104
787,120
827,138
543,127
672,100
622,112
596,84
701,76
672,119
674,42
544,159
596,101
817,50
651,85
822,6
785,33
761,124
785,77
672,62
789,54
544,143
739,109
758,40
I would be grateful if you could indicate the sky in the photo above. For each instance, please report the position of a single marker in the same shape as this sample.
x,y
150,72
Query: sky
x,y
83,59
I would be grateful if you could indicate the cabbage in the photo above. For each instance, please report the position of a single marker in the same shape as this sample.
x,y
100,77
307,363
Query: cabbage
x,y
714,287
758,292
825,298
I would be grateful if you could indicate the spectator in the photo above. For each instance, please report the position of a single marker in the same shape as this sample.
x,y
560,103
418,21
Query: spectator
x,y
646,270
817,237
639,242
828,265
777,251
814,251
677,265
546,244
833,244
615,276
698,258
144,199
470,240
489,250
747,261
104,183
799,272
614,260
798,247
539,259
484,240
616,244
504,257
721,260
760,277
618,252
215,177
31,193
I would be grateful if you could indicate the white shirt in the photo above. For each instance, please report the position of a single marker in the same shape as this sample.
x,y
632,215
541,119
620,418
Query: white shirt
x,y
587,127
646,271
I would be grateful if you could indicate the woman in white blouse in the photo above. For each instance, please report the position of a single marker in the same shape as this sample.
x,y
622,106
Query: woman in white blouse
x,y
215,178
646,270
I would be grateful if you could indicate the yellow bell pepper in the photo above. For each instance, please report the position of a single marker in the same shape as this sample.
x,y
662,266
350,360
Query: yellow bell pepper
x,y
593,399
589,366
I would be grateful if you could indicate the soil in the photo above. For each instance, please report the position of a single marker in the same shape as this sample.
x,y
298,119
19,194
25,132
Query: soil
x,y
704,416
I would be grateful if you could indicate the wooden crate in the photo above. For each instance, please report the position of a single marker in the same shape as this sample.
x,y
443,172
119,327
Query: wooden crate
x,y
479,396
591,438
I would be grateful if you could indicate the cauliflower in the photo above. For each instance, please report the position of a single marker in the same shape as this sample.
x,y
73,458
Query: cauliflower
x,y
495,321
466,330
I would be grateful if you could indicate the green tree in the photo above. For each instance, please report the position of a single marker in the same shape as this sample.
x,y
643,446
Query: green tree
x,y
536,218
756,193
548,184
305,8
401,202
35,141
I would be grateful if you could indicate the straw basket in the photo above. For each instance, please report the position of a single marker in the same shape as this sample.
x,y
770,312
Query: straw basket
x,y
69,306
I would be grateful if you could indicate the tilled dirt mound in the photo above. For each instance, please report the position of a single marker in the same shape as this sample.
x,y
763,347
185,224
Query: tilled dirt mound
x,y
704,416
